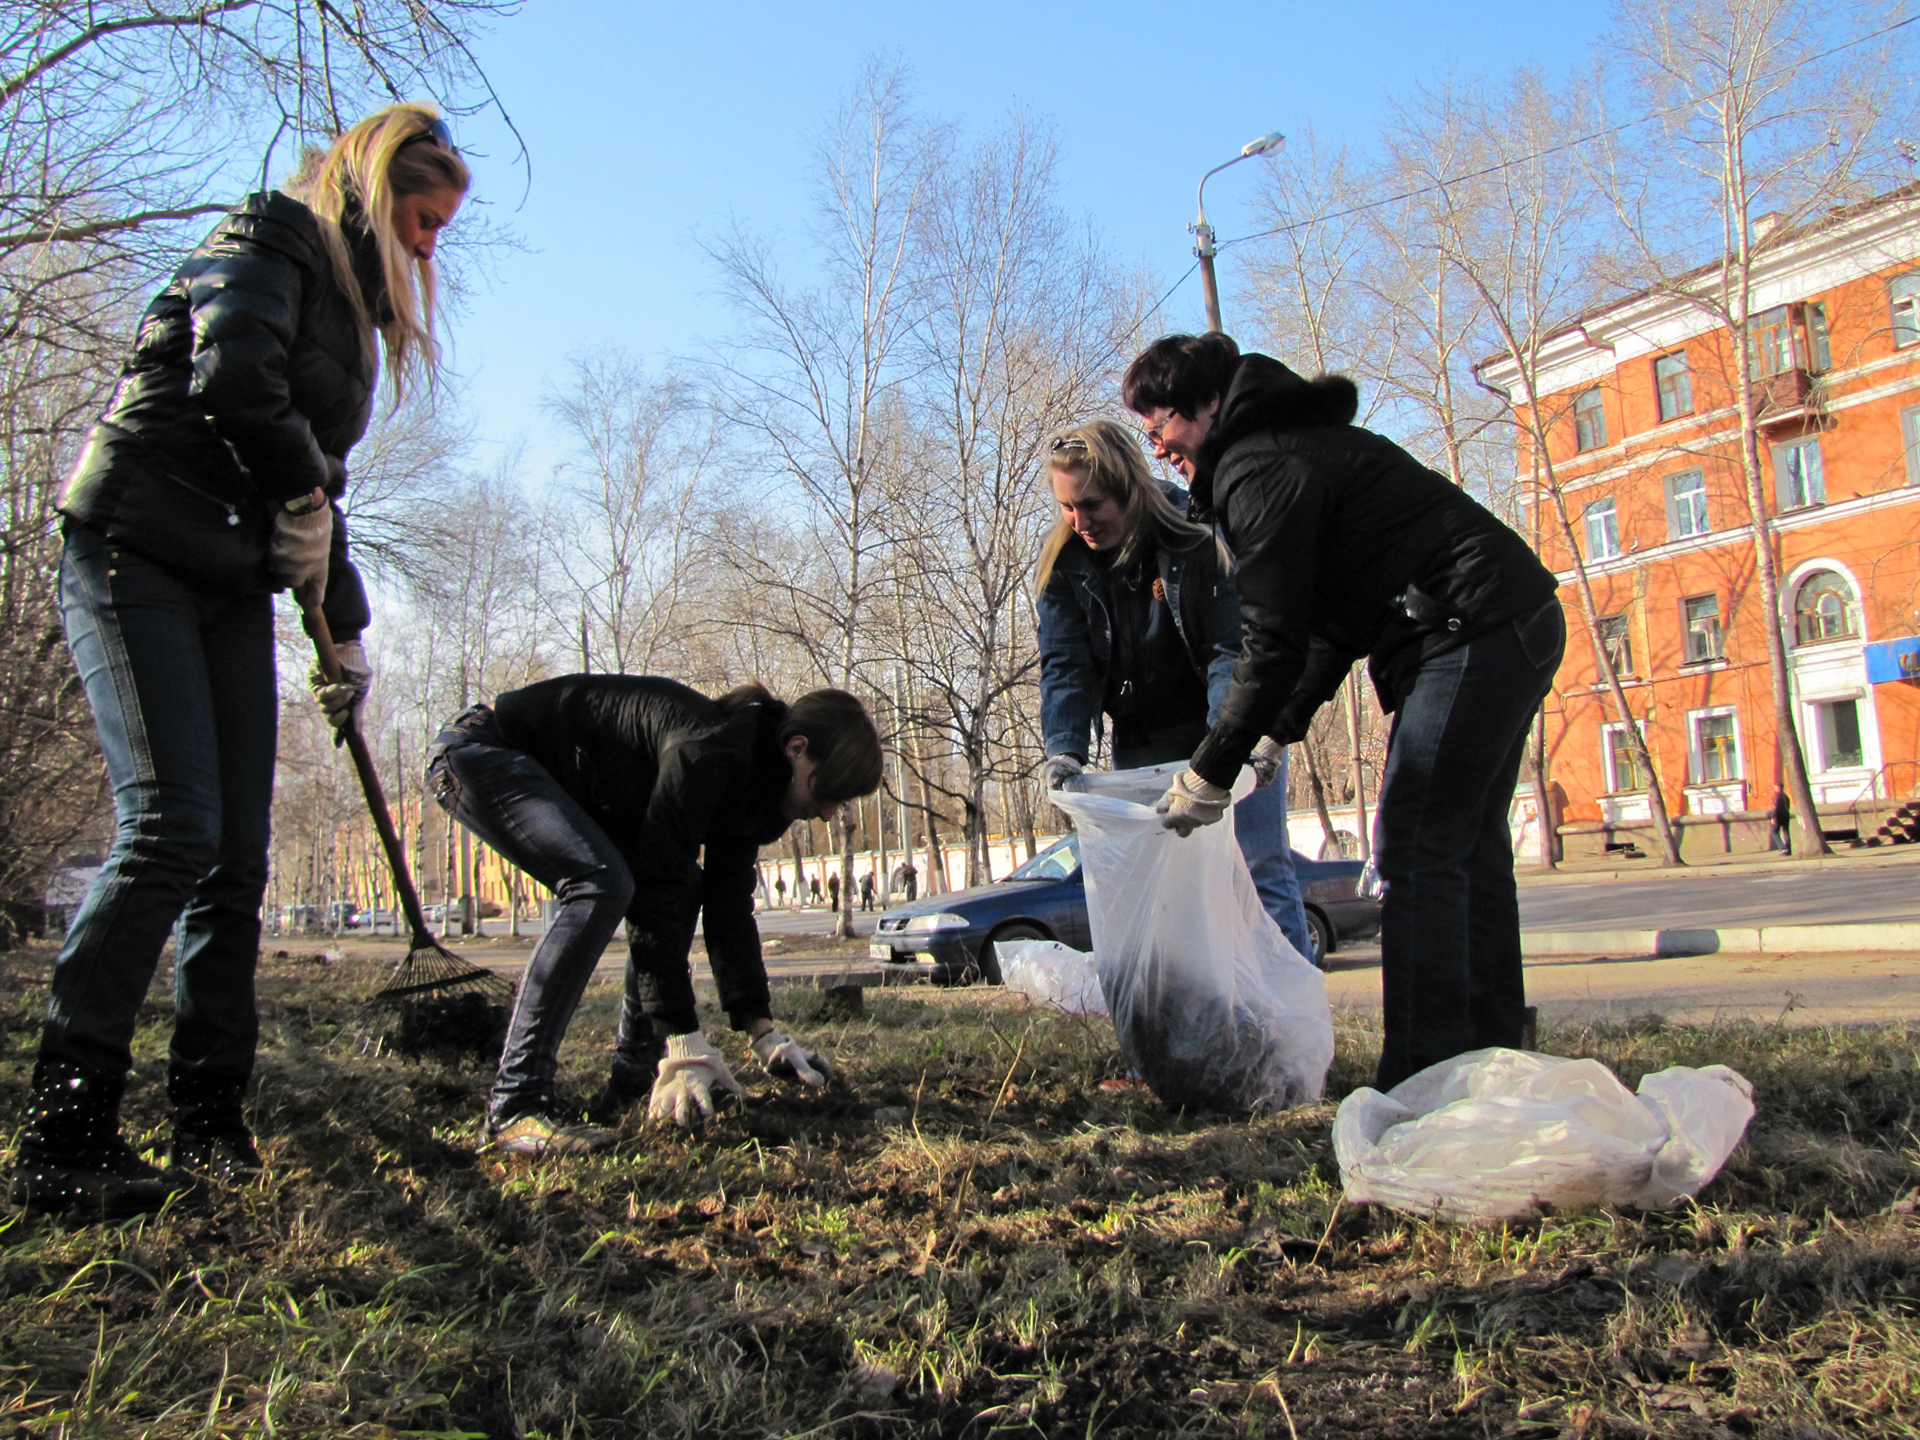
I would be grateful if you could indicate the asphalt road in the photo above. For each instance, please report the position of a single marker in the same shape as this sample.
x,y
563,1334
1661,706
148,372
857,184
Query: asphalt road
x,y
1762,896
1832,895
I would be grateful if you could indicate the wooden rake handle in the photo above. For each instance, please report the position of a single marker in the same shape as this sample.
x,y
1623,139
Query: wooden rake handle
x,y
329,658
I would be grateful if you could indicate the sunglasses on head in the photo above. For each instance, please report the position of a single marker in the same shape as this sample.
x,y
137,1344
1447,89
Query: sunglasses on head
x,y
438,133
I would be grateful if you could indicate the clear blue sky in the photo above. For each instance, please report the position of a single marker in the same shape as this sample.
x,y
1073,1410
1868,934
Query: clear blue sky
x,y
651,125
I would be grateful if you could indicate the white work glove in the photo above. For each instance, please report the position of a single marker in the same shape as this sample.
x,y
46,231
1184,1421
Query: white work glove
x,y
692,1069
1191,802
785,1060
300,548
1060,771
342,702
1266,761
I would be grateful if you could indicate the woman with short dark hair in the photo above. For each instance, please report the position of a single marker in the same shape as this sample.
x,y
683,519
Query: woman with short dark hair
x,y
1346,546
633,797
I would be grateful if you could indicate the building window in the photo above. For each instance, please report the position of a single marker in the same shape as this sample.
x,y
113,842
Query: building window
x,y
1603,530
1799,479
1674,385
1819,341
1837,727
1623,765
1703,639
1910,441
1715,753
1589,420
1770,342
1612,631
1823,609
1903,297
1687,504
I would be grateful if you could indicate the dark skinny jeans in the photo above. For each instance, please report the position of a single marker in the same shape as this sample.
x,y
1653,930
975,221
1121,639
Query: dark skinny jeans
x,y
1451,975
508,799
181,680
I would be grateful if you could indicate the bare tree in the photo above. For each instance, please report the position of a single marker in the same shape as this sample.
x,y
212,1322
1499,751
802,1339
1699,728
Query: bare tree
x,y
814,385
1519,233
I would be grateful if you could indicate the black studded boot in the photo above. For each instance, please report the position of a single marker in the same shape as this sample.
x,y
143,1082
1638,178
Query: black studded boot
x,y
210,1134
72,1160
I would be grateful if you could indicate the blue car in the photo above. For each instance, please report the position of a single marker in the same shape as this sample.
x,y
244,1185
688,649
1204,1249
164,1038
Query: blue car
x,y
951,938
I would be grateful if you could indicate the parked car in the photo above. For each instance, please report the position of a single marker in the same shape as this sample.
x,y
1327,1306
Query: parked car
x,y
952,937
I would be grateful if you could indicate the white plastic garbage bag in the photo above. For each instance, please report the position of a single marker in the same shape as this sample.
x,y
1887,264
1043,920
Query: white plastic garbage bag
x,y
1052,973
1500,1134
1210,1003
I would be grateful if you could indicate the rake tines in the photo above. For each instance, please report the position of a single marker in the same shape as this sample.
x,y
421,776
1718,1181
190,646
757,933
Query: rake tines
x,y
447,1005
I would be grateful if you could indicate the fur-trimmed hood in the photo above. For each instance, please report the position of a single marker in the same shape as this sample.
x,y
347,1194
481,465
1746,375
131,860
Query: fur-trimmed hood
x,y
1266,395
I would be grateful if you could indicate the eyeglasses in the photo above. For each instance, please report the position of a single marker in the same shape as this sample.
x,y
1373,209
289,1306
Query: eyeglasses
x,y
1070,442
1153,432
438,133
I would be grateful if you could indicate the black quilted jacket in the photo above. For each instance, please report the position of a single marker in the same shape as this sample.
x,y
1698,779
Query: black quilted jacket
x,y
1344,545
248,384
674,779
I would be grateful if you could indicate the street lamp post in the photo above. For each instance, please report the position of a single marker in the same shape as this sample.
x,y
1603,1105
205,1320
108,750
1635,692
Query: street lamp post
x,y
1267,144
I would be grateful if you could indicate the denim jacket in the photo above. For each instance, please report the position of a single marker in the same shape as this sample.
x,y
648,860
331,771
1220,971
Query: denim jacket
x,y
1076,635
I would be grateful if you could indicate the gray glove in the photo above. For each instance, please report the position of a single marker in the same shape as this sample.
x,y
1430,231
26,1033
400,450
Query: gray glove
x,y
1191,802
299,550
785,1060
343,701
1060,771
1266,760
689,1075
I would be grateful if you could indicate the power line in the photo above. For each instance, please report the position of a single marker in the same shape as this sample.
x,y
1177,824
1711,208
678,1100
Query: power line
x,y
1537,154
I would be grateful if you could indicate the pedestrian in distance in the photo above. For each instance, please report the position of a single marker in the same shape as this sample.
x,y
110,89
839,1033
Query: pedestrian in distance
x,y
1346,546
866,891
813,882
635,797
910,881
1139,620
212,481
780,890
833,890
1780,831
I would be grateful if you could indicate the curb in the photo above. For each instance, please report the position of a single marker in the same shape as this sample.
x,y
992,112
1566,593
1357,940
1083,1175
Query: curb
x,y
1732,940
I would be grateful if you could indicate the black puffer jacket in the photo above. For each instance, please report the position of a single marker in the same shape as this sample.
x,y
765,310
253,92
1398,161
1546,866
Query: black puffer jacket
x,y
249,382
665,772
1344,545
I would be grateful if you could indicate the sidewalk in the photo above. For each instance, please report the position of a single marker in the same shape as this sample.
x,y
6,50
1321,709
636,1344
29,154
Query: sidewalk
x,y
1579,871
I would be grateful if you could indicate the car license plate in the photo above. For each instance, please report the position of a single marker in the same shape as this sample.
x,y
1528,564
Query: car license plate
x,y
879,950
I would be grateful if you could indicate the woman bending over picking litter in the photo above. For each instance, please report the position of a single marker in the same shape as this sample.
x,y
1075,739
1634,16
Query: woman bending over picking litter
x,y
1347,546
1139,618
607,789
209,483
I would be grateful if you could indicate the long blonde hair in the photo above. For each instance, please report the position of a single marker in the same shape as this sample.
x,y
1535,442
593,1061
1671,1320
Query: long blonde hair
x,y
366,169
1111,454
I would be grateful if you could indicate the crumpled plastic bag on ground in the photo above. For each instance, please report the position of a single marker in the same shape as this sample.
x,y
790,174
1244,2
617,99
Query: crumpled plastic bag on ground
x,y
1501,1134
1210,1003
1052,973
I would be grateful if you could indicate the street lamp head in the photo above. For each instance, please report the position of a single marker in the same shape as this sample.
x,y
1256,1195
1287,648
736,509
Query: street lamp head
x,y
1268,144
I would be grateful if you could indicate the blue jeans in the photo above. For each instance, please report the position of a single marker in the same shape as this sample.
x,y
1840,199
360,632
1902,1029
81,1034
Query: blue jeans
x,y
1260,825
508,799
181,680
1451,975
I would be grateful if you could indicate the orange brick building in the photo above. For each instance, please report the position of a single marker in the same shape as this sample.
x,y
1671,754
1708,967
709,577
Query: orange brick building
x,y
1644,437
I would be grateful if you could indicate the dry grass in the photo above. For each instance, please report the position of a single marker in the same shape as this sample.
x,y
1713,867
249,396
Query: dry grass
x,y
1005,1250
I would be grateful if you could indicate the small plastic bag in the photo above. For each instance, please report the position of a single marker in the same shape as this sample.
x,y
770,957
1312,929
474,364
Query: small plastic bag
x,y
1503,1134
1210,1003
1052,973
